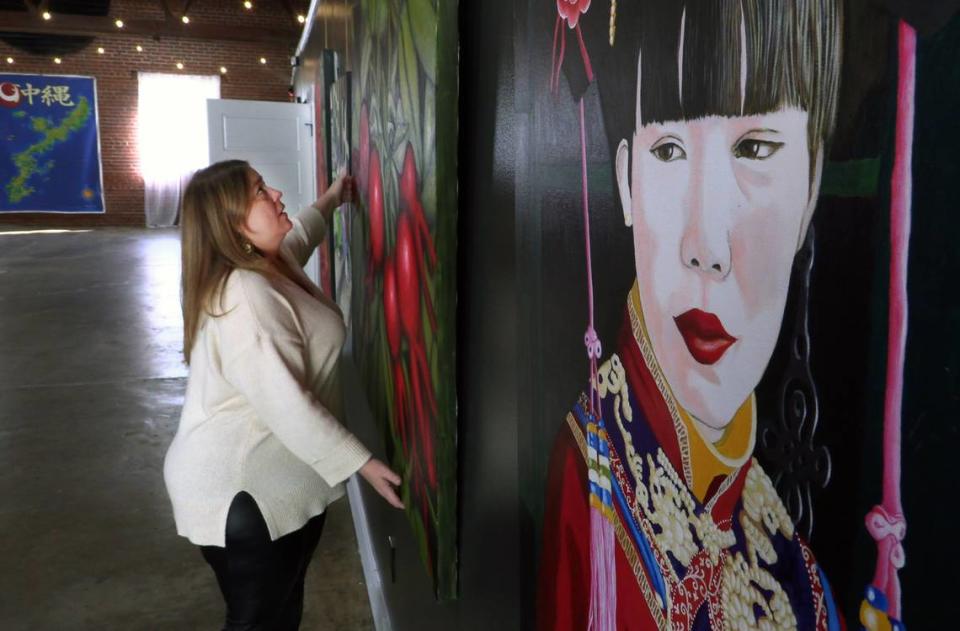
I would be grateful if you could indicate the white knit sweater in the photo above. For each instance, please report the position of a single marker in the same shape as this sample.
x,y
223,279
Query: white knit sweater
x,y
262,401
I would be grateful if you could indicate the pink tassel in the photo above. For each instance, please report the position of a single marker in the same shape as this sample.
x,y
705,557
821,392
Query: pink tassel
x,y
597,570
603,573
610,574
586,58
596,567
886,523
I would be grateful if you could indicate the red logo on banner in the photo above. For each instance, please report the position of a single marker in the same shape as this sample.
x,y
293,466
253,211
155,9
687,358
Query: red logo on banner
x,y
9,95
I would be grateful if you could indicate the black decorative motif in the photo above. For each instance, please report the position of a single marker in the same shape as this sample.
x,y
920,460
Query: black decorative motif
x,y
797,465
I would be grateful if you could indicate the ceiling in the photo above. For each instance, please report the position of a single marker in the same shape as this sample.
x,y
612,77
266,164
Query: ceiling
x,y
52,44
77,22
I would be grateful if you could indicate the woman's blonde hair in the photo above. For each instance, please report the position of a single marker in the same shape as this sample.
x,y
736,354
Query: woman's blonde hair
x,y
215,206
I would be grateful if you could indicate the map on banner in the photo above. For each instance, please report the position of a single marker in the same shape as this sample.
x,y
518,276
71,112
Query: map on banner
x,y
51,158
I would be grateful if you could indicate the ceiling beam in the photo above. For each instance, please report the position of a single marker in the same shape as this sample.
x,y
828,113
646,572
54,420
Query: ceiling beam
x,y
20,22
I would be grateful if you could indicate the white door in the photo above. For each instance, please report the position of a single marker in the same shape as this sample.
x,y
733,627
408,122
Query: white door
x,y
277,140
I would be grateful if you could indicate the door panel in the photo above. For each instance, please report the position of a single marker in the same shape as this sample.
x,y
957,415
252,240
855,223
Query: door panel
x,y
276,139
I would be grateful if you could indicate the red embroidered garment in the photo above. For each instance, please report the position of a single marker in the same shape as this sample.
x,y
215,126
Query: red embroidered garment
x,y
733,561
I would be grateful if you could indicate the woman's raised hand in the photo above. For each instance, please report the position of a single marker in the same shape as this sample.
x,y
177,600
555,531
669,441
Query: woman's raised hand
x,y
343,190
383,480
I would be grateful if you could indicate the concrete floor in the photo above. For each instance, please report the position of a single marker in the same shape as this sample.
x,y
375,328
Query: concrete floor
x,y
91,384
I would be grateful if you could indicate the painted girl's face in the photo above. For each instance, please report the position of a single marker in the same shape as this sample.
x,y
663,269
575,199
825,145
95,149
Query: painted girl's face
x,y
719,206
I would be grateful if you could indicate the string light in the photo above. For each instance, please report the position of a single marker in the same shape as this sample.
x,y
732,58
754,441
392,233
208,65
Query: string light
x,y
119,23
179,65
301,19
100,50
57,60
185,20
46,15
139,48
223,70
9,60
248,5
263,60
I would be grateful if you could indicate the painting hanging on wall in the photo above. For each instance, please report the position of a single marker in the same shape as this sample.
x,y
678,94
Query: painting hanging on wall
x,y
51,138
325,74
403,256
745,360
339,143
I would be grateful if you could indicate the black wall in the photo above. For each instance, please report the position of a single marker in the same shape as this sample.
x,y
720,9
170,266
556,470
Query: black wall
x,y
522,313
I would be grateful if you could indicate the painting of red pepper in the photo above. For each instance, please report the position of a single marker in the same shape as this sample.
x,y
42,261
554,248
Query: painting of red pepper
x,y
403,255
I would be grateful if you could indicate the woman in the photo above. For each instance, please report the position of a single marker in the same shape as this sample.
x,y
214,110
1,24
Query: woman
x,y
718,112
259,452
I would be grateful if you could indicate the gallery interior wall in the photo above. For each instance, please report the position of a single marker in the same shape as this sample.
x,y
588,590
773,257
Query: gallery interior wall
x,y
116,75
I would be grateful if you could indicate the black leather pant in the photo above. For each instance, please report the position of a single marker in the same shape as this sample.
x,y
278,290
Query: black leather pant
x,y
262,580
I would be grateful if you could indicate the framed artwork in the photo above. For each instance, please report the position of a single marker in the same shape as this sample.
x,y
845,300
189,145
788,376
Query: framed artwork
x,y
403,247
52,144
340,164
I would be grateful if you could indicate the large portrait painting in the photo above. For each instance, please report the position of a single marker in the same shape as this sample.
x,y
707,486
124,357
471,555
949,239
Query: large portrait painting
x,y
403,255
738,180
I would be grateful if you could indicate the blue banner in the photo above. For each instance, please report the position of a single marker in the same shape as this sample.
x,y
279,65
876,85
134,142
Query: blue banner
x,y
51,145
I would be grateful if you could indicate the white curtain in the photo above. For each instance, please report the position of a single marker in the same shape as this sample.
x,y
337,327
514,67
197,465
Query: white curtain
x,y
172,129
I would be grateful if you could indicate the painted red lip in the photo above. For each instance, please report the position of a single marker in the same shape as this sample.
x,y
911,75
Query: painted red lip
x,y
704,335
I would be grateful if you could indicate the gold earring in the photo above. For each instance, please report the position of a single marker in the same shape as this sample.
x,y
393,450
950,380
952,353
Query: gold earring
x,y
248,247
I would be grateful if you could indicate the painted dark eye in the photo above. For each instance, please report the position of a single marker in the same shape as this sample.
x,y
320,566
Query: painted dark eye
x,y
753,149
668,152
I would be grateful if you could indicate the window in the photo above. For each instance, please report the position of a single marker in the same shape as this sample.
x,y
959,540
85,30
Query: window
x,y
172,131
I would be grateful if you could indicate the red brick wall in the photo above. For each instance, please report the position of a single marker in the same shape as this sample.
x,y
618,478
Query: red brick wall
x,y
116,74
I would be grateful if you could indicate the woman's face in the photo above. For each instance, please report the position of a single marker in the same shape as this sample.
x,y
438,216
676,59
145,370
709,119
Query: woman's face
x,y
266,223
718,207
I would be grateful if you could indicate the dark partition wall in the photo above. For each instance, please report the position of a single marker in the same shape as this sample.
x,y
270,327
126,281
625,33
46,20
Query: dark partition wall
x,y
523,308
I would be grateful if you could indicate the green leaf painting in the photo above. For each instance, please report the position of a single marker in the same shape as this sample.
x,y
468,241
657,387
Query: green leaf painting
x,y
403,256
423,20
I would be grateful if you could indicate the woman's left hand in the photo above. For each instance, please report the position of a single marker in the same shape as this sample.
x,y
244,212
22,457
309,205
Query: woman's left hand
x,y
342,191
383,480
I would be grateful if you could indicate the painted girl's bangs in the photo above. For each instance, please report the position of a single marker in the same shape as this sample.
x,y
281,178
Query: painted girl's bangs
x,y
738,57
